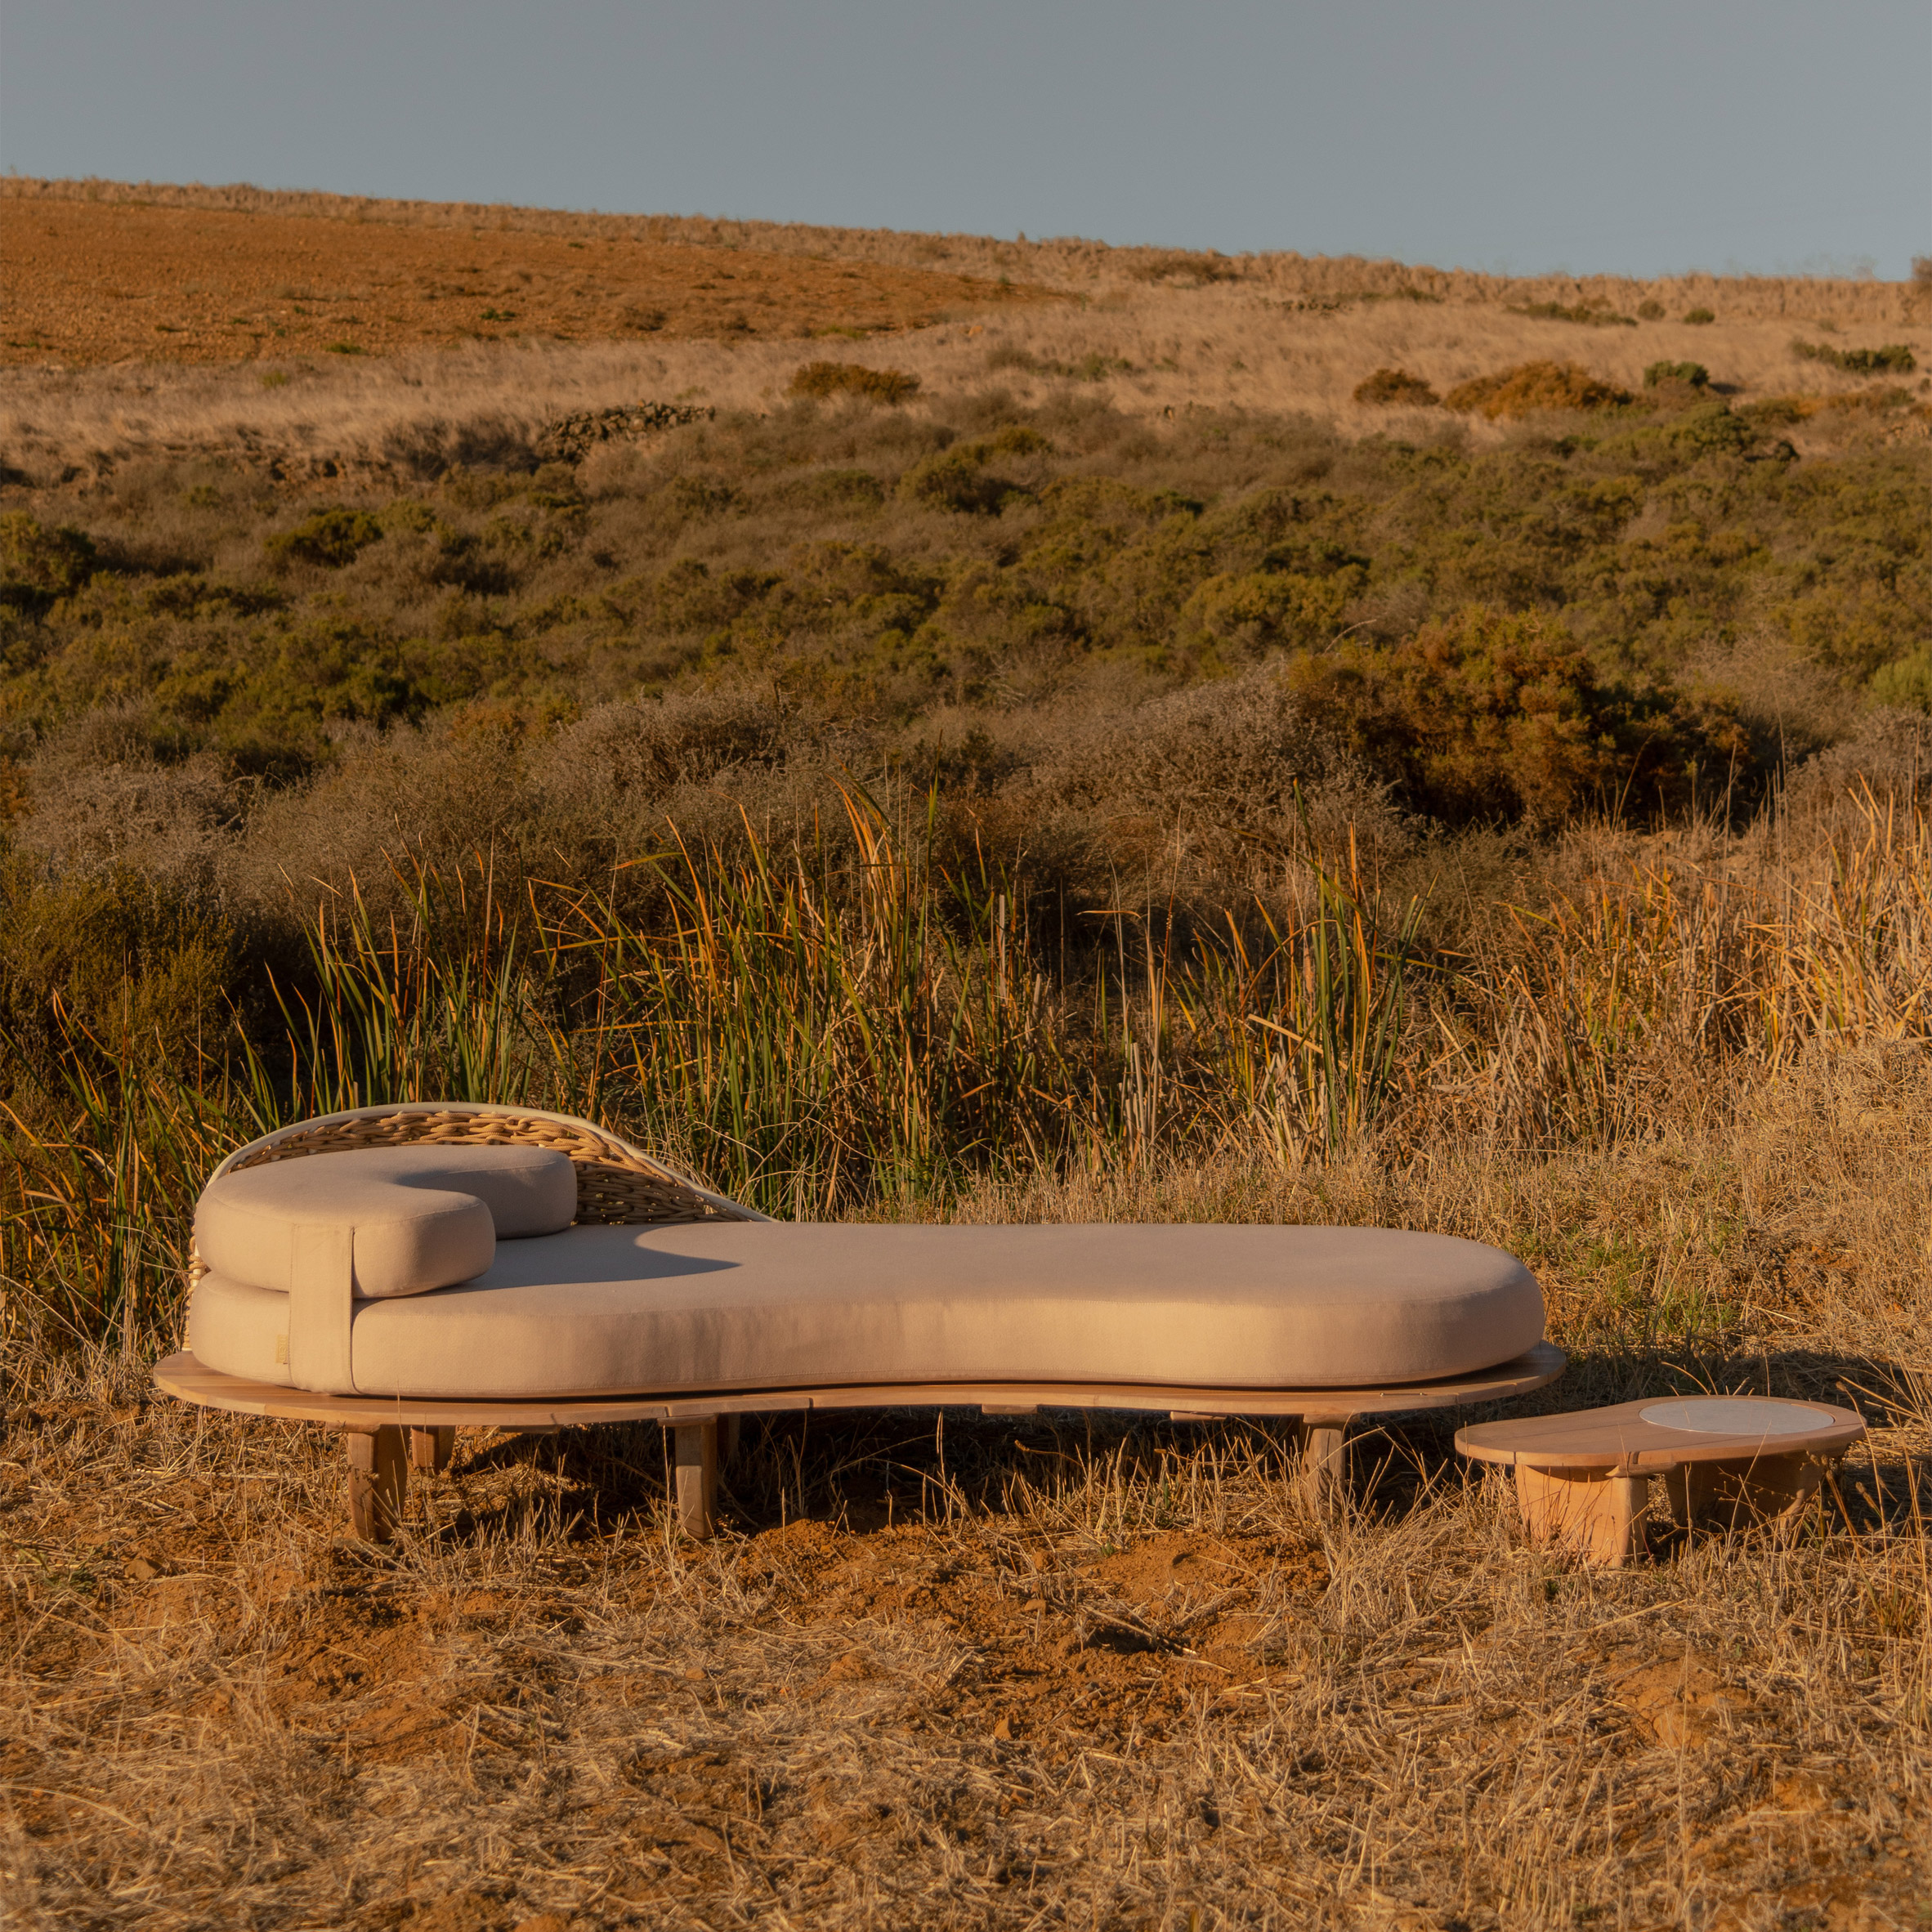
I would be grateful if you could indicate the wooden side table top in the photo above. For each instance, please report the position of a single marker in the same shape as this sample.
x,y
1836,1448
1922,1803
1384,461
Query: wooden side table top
x,y
1665,1433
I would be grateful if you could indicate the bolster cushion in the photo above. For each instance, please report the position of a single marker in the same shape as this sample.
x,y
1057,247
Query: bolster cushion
x,y
417,1218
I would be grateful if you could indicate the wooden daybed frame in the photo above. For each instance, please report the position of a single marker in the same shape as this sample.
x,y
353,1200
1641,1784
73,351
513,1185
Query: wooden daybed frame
x,y
619,1183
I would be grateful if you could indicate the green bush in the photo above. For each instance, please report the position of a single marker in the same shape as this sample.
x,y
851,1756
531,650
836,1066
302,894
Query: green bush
x,y
1267,610
825,379
1906,683
1712,428
38,566
330,539
1694,373
1123,552
1893,358
1486,716
1698,317
138,973
958,479
1651,311
1392,387
1587,313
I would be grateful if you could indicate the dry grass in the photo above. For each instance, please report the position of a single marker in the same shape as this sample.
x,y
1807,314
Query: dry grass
x,y
964,1673
947,1671
537,313
1067,263
1148,353
92,282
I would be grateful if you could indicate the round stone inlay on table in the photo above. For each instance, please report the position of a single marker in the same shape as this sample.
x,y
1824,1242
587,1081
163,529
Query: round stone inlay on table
x,y
1736,1416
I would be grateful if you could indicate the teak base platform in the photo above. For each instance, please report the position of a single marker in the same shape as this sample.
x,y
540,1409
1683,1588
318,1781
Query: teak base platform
x,y
380,1460
1583,1480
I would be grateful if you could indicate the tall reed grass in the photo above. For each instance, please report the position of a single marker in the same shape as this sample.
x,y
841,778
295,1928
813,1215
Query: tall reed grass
x,y
861,1030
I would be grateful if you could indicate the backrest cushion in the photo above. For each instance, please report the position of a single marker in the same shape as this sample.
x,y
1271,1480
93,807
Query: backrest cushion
x,y
422,1217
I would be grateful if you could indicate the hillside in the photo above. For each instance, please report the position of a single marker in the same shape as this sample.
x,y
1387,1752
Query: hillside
x,y
1014,732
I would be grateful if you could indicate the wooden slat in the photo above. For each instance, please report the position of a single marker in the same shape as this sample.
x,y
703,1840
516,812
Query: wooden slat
x,y
183,1376
1619,1437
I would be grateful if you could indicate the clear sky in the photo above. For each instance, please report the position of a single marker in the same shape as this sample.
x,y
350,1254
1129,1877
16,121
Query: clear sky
x,y
1645,137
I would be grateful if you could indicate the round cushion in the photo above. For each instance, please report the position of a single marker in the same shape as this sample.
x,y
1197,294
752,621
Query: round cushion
x,y
422,1217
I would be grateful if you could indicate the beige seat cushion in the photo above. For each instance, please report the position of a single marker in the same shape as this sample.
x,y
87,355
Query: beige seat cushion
x,y
419,1217
601,1311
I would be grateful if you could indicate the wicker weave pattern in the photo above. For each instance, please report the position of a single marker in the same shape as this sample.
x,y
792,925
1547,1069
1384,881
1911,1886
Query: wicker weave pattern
x,y
616,1184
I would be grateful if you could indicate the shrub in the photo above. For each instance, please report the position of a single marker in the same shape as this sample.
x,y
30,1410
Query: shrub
x,y
1390,387
330,539
1492,715
37,565
1894,358
957,479
1651,311
1092,367
1263,610
1906,683
1586,313
1485,716
698,497
125,964
1698,317
1533,386
825,379
1694,373
1711,428
831,490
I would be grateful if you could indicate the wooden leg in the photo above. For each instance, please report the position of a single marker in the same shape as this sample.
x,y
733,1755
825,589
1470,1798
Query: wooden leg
x,y
430,1449
1594,1512
1323,1476
1723,1496
695,1457
378,1482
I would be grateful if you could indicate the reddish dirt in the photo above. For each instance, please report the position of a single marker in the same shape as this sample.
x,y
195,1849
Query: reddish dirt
x,y
105,282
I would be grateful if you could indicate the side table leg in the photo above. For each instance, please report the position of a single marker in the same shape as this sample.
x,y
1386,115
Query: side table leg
x,y
695,1455
1322,1477
430,1449
1723,1496
1594,1512
378,1482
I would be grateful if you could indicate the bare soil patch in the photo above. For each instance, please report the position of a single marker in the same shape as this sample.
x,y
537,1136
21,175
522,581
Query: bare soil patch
x,y
94,282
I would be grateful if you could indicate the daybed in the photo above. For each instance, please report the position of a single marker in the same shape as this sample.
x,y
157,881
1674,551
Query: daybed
x,y
451,1264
